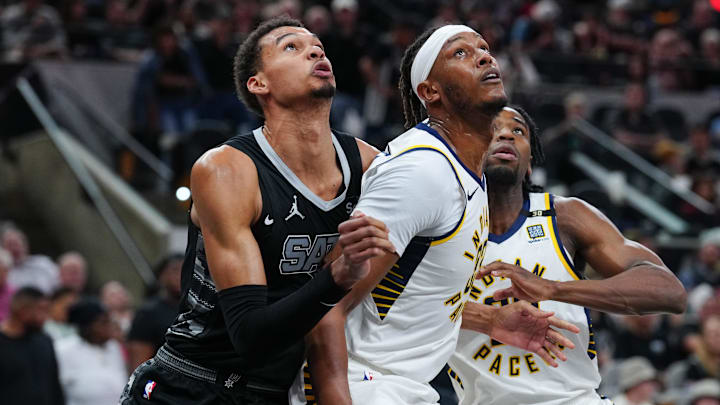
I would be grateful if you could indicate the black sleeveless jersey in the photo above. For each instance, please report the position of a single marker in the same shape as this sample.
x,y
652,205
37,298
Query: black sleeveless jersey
x,y
295,231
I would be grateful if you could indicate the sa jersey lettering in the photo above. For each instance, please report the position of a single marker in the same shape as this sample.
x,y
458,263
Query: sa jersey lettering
x,y
485,371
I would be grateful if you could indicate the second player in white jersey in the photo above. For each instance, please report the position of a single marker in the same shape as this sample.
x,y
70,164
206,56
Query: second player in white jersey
x,y
408,325
485,371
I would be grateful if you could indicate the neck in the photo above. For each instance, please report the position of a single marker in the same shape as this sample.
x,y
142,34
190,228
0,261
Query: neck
x,y
505,203
12,327
301,137
469,137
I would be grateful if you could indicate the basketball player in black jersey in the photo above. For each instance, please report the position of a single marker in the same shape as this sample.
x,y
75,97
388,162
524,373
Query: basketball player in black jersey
x,y
266,209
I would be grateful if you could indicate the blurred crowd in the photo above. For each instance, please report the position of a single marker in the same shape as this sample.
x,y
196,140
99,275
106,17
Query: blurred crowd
x,y
184,102
183,98
64,343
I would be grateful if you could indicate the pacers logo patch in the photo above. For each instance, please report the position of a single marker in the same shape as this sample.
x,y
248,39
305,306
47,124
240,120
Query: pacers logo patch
x,y
536,231
149,387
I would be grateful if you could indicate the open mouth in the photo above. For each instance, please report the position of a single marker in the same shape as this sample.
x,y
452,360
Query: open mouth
x,y
505,153
322,69
492,74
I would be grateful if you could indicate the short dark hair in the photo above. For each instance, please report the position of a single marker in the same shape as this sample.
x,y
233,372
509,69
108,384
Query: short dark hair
x,y
412,107
25,296
536,149
248,60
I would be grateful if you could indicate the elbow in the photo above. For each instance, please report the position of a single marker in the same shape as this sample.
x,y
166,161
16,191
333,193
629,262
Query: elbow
x,y
678,303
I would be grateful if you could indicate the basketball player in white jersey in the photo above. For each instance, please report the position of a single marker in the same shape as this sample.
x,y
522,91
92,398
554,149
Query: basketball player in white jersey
x,y
429,191
536,245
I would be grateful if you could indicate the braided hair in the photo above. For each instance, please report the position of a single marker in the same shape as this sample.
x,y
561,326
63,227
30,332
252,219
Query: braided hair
x,y
536,150
412,107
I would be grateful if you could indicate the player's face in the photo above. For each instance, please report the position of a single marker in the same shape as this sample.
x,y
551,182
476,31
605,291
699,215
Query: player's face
x,y
509,153
468,74
294,65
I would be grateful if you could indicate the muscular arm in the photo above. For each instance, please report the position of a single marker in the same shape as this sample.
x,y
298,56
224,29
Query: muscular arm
x,y
635,280
226,203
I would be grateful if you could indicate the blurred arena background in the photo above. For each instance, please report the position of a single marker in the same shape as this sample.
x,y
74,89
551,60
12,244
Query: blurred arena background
x,y
106,104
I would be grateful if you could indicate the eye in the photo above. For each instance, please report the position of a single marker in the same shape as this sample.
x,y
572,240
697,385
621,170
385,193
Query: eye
x,y
518,131
290,47
460,52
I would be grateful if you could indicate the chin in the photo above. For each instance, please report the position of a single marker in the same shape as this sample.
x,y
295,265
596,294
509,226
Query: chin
x,y
325,91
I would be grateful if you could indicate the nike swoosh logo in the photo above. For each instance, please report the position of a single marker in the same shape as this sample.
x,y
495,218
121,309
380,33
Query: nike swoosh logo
x,y
268,220
470,196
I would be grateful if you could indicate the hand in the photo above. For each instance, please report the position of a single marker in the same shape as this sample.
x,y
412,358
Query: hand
x,y
361,238
525,286
522,325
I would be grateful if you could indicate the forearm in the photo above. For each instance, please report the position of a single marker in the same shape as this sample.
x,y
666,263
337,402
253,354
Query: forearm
x,y
478,317
328,360
254,326
643,289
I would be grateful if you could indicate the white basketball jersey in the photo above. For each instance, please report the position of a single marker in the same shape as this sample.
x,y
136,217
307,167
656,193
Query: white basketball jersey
x,y
488,372
409,324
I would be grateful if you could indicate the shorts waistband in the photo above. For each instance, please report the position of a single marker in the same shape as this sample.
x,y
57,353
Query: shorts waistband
x,y
173,360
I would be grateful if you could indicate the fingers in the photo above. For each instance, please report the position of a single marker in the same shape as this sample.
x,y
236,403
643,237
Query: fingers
x,y
560,324
558,338
554,350
545,355
532,311
368,247
494,266
363,237
500,295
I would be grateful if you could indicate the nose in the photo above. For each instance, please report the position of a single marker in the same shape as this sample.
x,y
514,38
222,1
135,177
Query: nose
x,y
505,135
485,59
316,52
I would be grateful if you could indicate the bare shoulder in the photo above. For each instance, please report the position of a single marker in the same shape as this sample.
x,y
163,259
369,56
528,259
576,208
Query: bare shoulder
x,y
225,179
223,164
367,153
582,221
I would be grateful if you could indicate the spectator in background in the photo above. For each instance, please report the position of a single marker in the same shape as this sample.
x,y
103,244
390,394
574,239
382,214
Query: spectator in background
x,y
152,319
57,326
701,18
647,336
317,19
702,157
73,271
216,55
346,45
623,35
541,32
561,140
705,359
709,69
705,392
31,30
116,299
633,125
638,382
703,267
91,365
28,369
28,270
167,90
6,291
668,58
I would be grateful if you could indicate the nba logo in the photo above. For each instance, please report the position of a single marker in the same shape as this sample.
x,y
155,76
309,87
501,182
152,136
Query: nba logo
x,y
149,387
367,375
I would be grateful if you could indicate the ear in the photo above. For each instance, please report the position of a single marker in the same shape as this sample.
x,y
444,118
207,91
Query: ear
x,y
428,92
529,172
257,84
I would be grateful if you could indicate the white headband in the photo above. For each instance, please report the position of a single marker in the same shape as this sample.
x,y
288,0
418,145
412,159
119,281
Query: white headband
x,y
425,58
